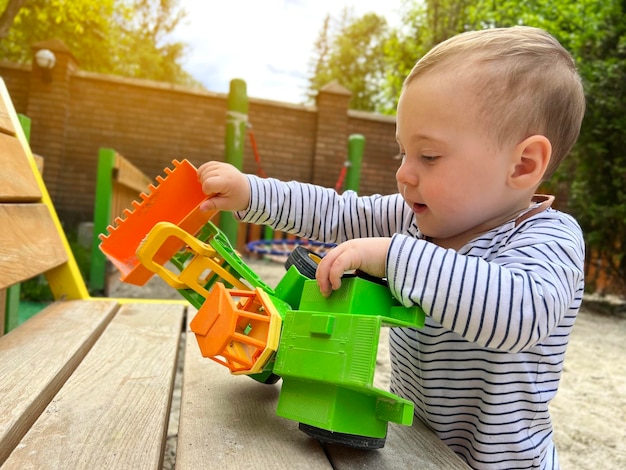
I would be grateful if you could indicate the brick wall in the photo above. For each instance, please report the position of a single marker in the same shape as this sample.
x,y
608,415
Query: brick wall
x,y
17,79
151,123
380,160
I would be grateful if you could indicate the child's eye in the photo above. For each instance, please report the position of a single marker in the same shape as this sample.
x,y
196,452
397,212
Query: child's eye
x,y
429,158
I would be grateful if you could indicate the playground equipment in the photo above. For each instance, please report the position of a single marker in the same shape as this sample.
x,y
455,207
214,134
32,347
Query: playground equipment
x,y
236,122
323,349
280,249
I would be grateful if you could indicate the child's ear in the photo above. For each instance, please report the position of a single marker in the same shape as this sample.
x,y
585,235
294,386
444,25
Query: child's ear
x,y
531,159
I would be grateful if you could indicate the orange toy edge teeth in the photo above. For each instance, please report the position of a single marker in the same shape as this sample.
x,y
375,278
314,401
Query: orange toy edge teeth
x,y
175,198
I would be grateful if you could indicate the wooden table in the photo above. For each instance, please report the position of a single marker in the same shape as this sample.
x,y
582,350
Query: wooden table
x,y
230,421
91,387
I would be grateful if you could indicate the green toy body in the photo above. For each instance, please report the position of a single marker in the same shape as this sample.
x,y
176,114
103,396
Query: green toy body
x,y
327,351
327,359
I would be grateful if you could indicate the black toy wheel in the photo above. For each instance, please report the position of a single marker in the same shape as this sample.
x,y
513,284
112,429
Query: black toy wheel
x,y
304,260
272,379
369,277
350,440
266,377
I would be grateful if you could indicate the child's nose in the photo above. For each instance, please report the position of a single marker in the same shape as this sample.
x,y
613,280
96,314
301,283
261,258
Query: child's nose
x,y
407,175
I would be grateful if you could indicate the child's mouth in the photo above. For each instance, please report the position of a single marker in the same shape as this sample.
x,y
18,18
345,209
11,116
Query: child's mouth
x,y
419,208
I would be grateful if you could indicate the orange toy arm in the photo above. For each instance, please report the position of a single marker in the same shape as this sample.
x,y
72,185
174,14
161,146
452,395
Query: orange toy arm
x,y
176,199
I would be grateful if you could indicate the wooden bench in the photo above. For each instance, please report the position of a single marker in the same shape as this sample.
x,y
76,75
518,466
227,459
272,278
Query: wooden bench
x,y
88,382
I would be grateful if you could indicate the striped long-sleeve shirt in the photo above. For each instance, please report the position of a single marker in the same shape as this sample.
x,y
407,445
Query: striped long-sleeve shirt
x,y
484,368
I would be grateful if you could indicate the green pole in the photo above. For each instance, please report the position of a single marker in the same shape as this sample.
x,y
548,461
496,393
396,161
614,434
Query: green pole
x,y
101,218
236,120
356,144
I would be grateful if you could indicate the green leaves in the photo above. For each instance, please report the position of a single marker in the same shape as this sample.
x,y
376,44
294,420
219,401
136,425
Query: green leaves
x,y
591,182
123,37
351,50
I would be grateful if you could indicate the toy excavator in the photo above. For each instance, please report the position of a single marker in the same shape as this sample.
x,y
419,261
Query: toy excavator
x,y
323,349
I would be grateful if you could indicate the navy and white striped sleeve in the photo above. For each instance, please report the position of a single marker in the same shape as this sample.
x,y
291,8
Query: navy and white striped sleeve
x,y
320,213
510,301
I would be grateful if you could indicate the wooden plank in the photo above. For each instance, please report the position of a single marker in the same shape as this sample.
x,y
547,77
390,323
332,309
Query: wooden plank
x,y
130,176
29,242
122,198
113,411
37,358
230,422
39,162
119,184
17,182
6,125
406,447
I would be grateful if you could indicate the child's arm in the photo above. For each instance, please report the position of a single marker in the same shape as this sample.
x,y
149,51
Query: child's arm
x,y
306,210
509,301
319,213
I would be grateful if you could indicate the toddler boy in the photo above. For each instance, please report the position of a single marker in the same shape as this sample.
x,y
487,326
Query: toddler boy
x,y
482,120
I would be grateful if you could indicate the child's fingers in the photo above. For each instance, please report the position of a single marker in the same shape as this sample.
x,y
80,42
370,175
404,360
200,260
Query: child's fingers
x,y
332,268
322,279
322,274
337,271
227,186
214,203
210,178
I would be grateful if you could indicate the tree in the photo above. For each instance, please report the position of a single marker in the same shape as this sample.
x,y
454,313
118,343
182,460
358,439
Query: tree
x,y
124,37
372,60
598,192
591,182
320,66
592,179
144,47
353,55
424,24
8,16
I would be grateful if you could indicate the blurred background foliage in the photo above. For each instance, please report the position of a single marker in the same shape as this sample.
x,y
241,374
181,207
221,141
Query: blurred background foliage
x,y
591,184
371,59
121,37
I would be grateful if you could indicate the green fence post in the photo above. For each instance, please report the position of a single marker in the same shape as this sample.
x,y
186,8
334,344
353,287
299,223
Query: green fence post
x,y
25,123
236,121
101,217
356,145
12,307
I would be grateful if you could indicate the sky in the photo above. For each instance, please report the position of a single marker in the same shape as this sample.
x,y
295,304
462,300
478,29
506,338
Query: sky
x,y
267,43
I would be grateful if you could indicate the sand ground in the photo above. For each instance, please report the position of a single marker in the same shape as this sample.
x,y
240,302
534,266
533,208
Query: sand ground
x,y
589,410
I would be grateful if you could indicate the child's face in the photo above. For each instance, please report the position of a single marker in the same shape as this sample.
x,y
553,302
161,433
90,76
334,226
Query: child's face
x,y
453,174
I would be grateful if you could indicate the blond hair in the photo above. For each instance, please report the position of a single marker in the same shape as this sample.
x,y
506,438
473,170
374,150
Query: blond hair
x,y
525,79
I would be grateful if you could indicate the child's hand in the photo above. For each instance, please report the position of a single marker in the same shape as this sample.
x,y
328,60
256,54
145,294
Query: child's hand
x,y
367,254
227,186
